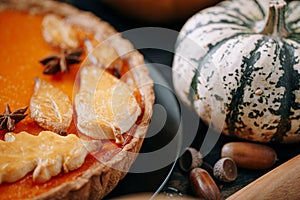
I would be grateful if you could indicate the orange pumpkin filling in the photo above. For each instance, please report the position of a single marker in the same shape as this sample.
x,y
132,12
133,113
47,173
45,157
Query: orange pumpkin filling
x,y
23,45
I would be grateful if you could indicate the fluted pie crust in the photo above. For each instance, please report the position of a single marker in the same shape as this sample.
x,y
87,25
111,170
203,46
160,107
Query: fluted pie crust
x,y
94,179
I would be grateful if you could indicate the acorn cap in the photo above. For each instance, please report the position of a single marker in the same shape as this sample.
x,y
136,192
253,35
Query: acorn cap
x,y
225,170
190,159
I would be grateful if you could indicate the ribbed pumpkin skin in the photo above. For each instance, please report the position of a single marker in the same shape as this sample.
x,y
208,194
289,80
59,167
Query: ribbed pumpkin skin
x,y
231,73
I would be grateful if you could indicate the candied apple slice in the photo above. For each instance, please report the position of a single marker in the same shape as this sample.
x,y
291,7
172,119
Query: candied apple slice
x,y
105,106
50,107
103,56
59,33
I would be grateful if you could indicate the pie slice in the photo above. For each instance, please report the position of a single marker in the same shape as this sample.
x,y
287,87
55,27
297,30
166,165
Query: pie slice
x,y
76,102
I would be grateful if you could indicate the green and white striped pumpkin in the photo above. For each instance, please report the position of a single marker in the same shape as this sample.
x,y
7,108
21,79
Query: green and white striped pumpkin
x,y
237,64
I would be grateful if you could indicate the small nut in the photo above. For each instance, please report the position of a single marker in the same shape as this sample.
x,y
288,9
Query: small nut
x,y
225,170
250,155
190,159
203,185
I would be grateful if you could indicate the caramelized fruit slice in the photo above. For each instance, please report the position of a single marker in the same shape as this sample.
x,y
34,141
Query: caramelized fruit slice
x,y
103,56
105,106
59,33
47,154
50,107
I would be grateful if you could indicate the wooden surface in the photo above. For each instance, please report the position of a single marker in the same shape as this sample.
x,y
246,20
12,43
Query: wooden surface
x,y
283,181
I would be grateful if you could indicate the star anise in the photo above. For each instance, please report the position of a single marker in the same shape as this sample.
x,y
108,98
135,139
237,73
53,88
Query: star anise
x,y
9,119
55,63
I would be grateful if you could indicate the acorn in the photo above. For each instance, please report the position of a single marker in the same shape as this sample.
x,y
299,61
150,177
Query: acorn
x,y
225,170
250,155
203,185
190,159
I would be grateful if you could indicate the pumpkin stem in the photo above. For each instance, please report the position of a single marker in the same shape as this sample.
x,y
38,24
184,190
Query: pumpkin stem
x,y
275,25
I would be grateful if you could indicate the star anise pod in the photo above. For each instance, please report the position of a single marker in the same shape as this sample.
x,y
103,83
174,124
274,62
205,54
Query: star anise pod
x,y
9,119
55,63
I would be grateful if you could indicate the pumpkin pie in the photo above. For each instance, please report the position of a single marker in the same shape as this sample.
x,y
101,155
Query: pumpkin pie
x,y
76,102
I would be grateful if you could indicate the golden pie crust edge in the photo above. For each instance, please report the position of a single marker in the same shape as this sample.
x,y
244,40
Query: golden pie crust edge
x,y
99,179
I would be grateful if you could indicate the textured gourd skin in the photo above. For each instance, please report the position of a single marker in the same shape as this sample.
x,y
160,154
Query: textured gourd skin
x,y
244,82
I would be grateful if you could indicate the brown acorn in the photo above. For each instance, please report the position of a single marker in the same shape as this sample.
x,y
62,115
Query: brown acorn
x,y
203,185
225,170
250,155
190,159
